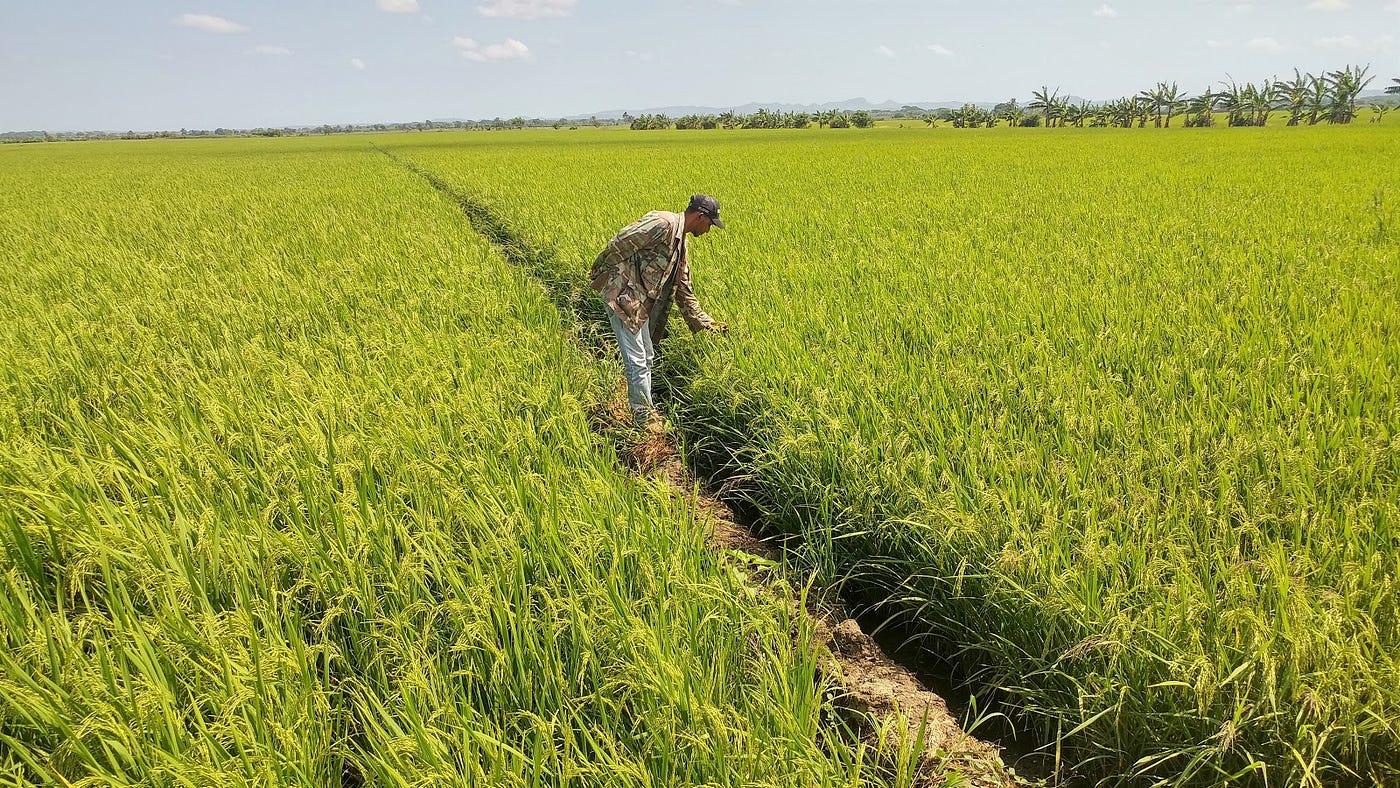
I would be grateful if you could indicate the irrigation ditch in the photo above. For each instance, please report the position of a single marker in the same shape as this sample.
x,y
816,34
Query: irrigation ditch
x,y
885,687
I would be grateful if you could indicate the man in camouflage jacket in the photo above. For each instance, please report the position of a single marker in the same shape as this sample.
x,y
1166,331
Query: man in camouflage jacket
x,y
639,272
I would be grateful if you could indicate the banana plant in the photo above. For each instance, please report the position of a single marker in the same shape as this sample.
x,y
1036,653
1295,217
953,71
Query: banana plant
x,y
1202,107
1124,110
1318,98
1346,85
1260,101
1152,99
1230,100
1293,96
1076,114
1047,102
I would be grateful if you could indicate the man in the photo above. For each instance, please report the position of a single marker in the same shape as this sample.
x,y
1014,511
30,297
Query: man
x,y
639,272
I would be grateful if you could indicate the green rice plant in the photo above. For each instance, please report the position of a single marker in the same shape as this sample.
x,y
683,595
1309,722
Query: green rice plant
x,y
1110,418
297,487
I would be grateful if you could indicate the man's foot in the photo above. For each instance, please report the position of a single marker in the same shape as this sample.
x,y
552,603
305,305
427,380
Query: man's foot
x,y
654,425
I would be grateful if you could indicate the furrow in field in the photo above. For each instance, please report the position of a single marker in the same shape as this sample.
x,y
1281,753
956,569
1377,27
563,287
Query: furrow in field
x,y
876,693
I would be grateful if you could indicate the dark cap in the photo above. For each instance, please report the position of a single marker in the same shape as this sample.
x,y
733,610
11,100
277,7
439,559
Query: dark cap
x,y
707,205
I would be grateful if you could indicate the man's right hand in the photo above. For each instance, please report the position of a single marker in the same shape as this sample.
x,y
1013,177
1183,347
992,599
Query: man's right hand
x,y
719,327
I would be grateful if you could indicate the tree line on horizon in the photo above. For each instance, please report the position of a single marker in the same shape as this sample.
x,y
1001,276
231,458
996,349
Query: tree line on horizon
x,y
763,118
1308,99
1331,97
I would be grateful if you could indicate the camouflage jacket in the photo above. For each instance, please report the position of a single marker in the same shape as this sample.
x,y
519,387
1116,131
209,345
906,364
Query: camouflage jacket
x,y
642,268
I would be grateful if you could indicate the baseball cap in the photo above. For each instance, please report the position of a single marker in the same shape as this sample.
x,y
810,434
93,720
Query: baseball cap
x,y
707,205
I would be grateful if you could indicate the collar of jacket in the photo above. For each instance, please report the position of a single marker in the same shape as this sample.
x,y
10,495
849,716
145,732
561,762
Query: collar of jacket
x,y
678,237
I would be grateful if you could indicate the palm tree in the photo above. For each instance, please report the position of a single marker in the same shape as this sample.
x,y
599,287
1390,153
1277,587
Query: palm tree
x,y
1046,102
1378,112
1394,89
729,120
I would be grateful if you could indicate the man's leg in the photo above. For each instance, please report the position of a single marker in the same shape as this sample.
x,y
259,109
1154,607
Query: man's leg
x,y
637,356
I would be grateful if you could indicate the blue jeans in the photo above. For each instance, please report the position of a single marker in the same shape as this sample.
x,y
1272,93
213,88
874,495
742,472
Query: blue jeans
x,y
638,355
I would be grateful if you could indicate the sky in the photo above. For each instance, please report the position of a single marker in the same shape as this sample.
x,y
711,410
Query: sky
x,y
200,64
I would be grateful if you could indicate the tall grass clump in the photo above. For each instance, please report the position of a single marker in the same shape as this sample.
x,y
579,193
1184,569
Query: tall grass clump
x,y
297,487
1111,419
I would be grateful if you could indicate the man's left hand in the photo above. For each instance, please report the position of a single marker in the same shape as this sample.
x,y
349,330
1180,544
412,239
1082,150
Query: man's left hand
x,y
719,327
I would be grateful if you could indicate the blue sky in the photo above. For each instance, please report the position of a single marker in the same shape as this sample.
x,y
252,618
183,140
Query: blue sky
x,y
168,64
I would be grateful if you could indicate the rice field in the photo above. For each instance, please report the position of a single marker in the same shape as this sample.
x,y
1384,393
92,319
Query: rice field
x,y
1108,419
297,487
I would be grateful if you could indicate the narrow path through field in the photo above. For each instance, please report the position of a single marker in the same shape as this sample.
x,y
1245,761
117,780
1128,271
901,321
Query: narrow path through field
x,y
879,697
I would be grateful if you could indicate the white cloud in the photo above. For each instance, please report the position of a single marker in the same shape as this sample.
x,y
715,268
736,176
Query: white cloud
x,y
1214,44
884,50
1105,12
397,6
1393,7
209,24
1338,42
1329,5
357,64
269,50
1378,44
528,9
510,49
942,51
1264,44
642,56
